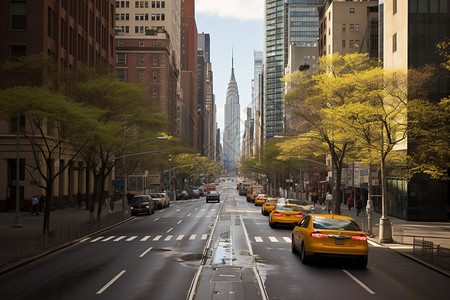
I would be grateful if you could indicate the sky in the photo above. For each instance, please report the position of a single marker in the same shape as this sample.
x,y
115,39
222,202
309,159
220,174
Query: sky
x,y
237,25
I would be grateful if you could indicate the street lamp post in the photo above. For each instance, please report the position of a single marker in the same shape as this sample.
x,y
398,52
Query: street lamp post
x,y
17,219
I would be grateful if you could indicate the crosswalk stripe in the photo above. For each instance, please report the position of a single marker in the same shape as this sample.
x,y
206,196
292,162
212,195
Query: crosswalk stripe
x,y
192,237
131,238
204,237
287,239
273,239
119,238
97,239
168,238
108,238
258,239
180,237
145,238
157,238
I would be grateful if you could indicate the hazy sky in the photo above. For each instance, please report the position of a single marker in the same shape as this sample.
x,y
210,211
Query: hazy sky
x,y
237,25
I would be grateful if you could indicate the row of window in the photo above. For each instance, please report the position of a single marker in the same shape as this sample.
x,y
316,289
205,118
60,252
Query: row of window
x,y
141,4
122,75
121,58
351,27
351,44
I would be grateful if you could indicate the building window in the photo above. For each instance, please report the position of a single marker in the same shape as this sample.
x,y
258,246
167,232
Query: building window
x,y
141,59
352,10
352,44
141,29
117,4
136,4
155,90
394,43
121,58
146,4
343,43
136,17
141,44
119,43
343,27
141,74
155,60
153,17
163,4
18,15
136,29
17,51
127,17
155,44
155,75
141,3
394,6
357,43
357,27
146,17
127,29
351,27
153,4
121,74
117,17
163,17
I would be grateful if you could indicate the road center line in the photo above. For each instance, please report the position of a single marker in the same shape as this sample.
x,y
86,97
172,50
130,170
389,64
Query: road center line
x,y
180,221
189,215
359,282
111,282
169,230
155,219
146,251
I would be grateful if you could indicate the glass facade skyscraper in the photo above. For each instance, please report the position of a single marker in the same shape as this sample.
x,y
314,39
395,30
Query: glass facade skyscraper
x,y
286,22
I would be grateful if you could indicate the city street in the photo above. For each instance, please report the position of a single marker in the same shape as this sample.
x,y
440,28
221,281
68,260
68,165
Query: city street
x,y
160,257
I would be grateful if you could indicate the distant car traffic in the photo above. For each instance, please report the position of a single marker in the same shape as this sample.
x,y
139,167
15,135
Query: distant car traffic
x,y
195,194
330,235
142,204
212,196
285,214
161,200
183,195
267,207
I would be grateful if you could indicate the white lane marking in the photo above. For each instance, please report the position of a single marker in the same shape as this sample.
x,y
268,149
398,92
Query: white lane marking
x,y
97,239
119,238
373,243
273,239
180,221
168,238
178,209
145,238
111,282
287,239
189,215
258,239
131,238
401,247
204,237
84,240
180,237
196,208
108,238
157,238
359,282
192,237
155,219
169,230
146,251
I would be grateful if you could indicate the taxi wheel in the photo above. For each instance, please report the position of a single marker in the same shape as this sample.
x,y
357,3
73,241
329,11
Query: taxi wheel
x,y
294,250
270,223
304,257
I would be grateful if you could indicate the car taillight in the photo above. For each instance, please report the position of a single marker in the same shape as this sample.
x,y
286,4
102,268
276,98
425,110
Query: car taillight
x,y
299,216
277,214
359,237
318,235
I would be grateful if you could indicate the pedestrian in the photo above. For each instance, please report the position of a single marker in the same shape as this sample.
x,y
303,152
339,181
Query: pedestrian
x,y
41,202
322,198
34,205
358,206
79,198
350,203
329,202
314,198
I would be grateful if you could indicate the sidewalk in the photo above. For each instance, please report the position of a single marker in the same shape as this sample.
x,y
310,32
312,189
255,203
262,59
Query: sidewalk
x,y
68,225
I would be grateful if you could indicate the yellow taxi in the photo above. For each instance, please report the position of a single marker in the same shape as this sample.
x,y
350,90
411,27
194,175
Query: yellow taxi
x,y
330,235
267,207
285,214
260,199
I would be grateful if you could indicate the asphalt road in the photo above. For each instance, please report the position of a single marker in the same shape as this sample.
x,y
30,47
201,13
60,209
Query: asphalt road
x,y
160,257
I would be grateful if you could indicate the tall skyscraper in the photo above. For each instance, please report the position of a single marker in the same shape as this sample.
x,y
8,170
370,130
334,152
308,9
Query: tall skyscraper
x,y
287,21
231,138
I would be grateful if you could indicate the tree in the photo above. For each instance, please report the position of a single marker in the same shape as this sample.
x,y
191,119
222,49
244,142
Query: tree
x,y
53,127
127,118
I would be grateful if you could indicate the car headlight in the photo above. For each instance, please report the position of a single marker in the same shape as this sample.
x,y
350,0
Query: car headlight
x,y
132,207
147,206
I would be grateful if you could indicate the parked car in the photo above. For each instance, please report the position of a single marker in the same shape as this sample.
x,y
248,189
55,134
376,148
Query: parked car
x,y
161,200
142,204
267,207
260,199
195,194
285,214
212,196
330,235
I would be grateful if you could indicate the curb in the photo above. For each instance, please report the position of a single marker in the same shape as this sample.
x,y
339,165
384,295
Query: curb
x,y
59,247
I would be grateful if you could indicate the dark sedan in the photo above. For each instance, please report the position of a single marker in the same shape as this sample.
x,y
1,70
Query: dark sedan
x,y
212,196
142,204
